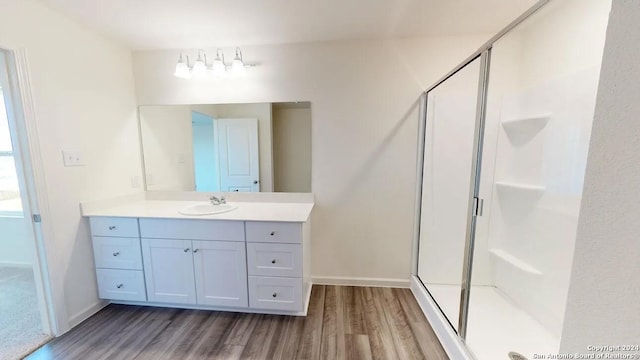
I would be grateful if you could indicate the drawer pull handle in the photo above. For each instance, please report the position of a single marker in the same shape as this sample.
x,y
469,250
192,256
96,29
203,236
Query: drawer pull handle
x,y
119,286
116,253
195,250
186,250
273,261
275,294
112,227
272,233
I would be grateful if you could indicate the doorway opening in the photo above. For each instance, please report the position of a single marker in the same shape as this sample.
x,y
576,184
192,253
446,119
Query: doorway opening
x,y
24,321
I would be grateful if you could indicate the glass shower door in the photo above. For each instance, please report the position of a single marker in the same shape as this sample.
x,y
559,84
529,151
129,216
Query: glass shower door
x,y
539,111
448,174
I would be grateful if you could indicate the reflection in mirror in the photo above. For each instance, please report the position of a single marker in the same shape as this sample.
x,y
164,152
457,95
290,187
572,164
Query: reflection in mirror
x,y
227,147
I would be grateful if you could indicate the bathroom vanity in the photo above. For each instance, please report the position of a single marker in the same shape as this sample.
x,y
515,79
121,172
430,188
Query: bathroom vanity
x,y
255,258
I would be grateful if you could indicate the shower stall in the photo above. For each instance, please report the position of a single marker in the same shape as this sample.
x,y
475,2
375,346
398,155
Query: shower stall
x,y
504,141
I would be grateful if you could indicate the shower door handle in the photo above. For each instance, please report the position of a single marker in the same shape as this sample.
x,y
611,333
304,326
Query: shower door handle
x,y
478,206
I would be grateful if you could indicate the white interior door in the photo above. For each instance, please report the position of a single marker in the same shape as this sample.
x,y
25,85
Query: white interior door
x,y
238,155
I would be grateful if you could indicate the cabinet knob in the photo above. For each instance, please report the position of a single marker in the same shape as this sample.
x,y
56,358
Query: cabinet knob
x,y
272,233
273,261
186,250
116,253
112,227
275,294
119,286
195,250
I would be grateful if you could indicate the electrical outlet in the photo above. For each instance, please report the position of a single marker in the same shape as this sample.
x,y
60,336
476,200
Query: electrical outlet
x,y
72,158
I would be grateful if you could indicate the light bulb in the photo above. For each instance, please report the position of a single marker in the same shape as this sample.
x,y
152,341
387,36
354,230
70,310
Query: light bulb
x,y
182,69
237,66
199,66
219,67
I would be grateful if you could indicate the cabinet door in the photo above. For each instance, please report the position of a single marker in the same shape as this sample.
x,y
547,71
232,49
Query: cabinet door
x,y
168,269
221,273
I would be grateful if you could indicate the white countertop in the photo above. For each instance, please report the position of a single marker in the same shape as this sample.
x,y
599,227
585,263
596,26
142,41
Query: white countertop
x,y
168,209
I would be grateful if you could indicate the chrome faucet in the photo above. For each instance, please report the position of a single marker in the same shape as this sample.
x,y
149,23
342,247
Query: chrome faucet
x,y
217,201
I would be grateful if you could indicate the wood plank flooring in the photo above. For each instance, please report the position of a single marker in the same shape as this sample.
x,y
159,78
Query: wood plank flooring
x,y
343,322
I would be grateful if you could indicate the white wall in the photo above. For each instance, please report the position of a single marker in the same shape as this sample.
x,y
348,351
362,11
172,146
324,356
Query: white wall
x,y
167,147
16,241
364,106
84,100
603,306
291,149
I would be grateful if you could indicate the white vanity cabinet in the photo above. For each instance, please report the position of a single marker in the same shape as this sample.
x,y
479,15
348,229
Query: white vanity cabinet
x,y
254,266
116,251
208,271
274,253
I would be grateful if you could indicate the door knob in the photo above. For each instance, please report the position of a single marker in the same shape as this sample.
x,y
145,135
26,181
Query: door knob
x,y
186,250
273,261
112,227
275,294
195,250
119,286
255,182
116,253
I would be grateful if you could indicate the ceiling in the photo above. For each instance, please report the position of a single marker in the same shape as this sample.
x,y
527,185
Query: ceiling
x,y
173,24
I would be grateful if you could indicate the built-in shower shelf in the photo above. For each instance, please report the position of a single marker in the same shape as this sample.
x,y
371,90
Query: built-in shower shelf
x,y
514,262
517,189
521,130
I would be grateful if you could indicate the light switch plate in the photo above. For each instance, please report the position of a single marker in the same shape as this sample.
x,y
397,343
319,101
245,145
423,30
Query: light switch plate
x,y
72,158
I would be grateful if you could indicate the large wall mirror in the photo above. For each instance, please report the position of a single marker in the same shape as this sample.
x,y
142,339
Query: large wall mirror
x,y
253,147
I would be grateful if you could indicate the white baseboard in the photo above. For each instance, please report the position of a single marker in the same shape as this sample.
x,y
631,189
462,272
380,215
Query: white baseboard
x,y
450,341
361,281
75,320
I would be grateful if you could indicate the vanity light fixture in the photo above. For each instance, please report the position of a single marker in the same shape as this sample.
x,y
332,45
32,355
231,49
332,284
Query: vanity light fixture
x,y
200,67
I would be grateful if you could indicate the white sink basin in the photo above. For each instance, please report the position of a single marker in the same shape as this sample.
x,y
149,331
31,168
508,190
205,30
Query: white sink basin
x,y
206,209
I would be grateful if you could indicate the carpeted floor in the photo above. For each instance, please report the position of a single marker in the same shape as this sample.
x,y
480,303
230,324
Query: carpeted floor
x,y
20,325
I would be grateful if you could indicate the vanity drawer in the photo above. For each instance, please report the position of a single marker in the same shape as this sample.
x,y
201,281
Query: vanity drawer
x,y
278,232
117,253
114,226
192,229
275,293
121,285
274,259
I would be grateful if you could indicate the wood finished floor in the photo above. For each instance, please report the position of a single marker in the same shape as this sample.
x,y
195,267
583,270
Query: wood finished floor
x,y
343,322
